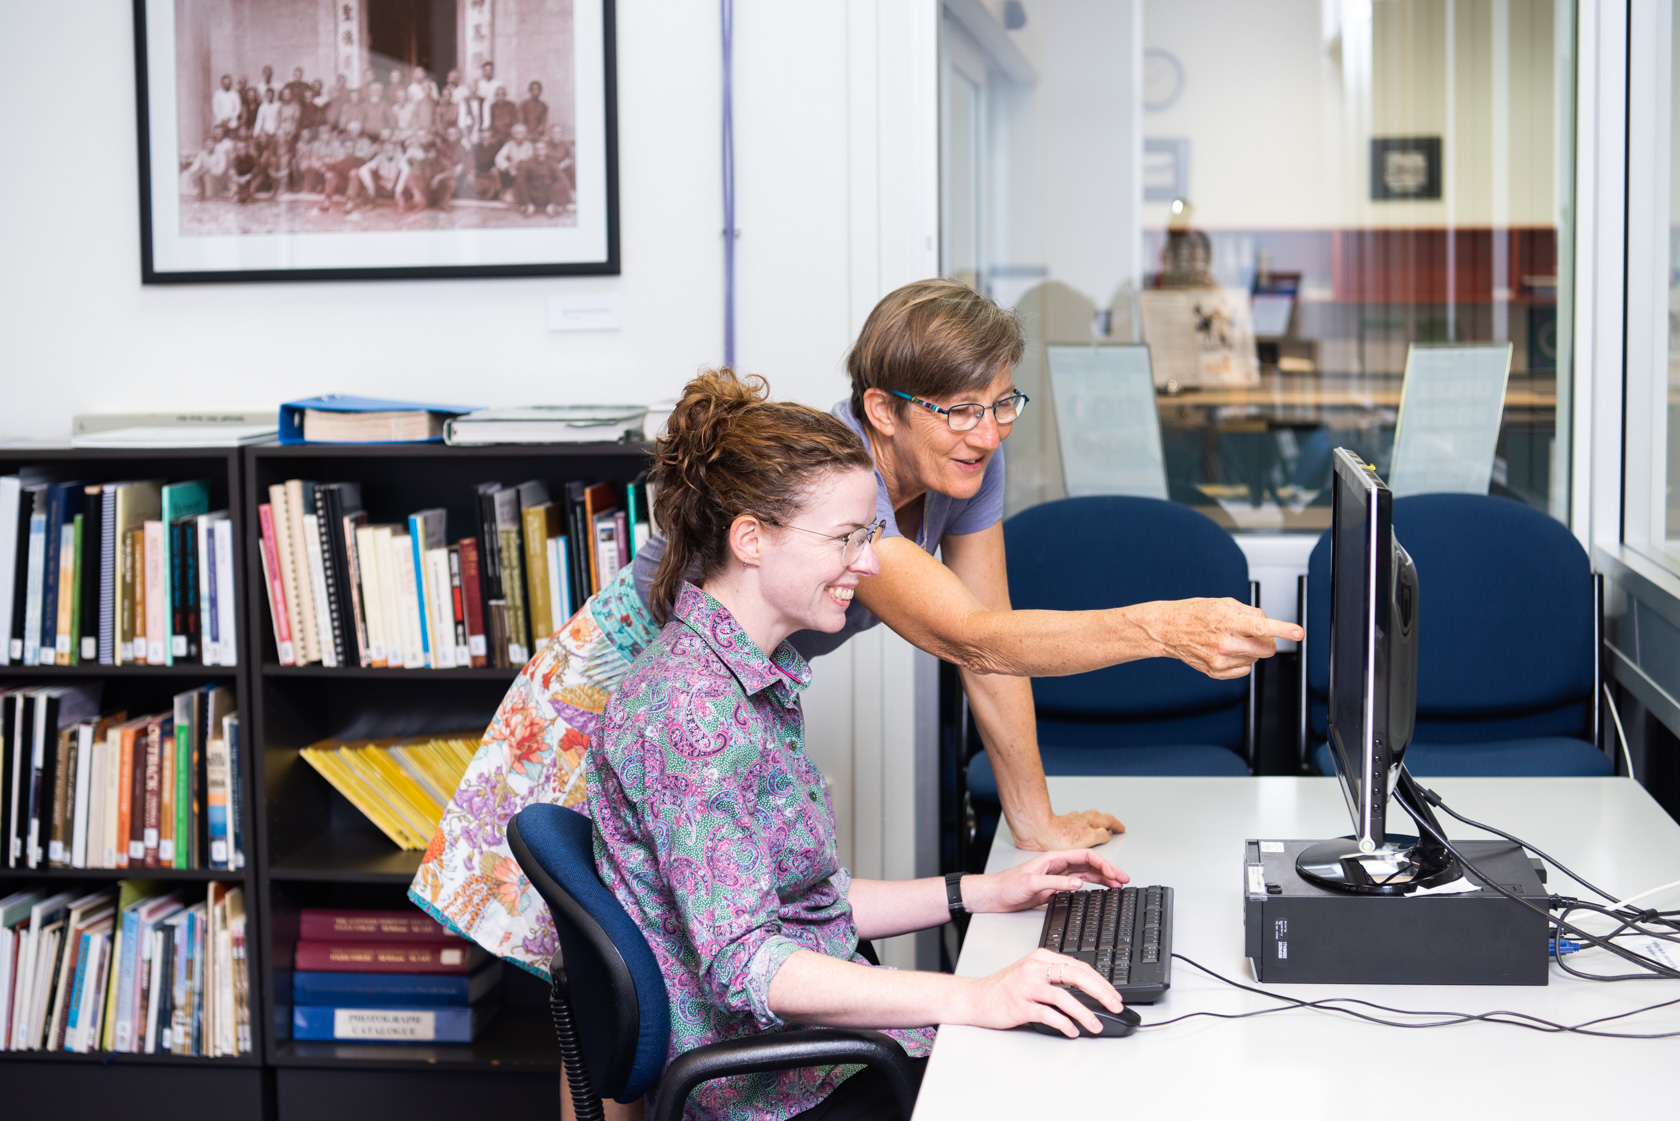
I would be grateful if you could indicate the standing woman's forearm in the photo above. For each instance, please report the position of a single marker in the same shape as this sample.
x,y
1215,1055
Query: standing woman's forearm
x,y
1005,718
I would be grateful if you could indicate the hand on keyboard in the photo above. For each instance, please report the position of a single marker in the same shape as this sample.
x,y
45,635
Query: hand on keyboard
x,y
1038,989
1033,883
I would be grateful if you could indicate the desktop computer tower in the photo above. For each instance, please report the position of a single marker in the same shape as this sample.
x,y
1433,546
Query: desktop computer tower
x,y
1299,933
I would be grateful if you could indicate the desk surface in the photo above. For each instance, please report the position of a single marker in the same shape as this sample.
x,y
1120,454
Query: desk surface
x,y
1188,833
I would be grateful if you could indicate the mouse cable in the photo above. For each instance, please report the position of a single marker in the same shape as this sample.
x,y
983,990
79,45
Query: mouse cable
x,y
1339,1004
1434,799
1655,968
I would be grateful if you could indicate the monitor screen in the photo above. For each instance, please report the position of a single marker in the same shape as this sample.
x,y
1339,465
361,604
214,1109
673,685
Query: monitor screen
x,y
1358,595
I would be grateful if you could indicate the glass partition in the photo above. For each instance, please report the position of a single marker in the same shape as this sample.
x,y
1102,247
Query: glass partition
x,y
1279,199
1651,513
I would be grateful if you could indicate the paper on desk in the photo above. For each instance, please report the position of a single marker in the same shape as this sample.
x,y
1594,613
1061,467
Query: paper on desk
x,y
1457,887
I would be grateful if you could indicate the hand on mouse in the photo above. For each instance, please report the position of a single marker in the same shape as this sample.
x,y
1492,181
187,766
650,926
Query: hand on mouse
x,y
1031,992
1034,882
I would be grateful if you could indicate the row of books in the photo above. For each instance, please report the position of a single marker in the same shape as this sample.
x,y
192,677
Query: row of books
x,y
345,591
116,573
392,976
125,969
83,790
403,785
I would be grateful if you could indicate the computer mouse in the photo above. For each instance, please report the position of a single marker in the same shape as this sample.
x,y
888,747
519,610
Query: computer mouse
x,y
1114,1024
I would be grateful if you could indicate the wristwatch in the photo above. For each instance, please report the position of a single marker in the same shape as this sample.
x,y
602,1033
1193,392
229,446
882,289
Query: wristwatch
x,y
953,894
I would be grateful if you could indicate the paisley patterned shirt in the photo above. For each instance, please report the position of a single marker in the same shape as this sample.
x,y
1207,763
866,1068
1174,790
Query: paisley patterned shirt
x,y
715,831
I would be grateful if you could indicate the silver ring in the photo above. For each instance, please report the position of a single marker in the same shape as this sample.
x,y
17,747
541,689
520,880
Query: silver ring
x,y
1046,973
1061,973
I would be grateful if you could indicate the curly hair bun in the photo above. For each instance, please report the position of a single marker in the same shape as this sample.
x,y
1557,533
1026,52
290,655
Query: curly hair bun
x,y
729,450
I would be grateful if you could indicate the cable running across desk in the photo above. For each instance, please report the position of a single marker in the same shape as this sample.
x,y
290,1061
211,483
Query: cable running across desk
x,y
1443,1019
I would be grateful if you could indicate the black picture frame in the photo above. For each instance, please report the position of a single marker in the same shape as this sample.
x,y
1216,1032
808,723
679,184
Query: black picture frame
x,y
1411,182
602,260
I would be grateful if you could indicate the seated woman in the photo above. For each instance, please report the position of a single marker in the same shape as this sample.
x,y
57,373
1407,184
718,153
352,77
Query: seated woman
x,y
714,829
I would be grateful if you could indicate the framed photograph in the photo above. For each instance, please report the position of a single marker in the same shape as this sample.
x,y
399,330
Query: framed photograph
x,y
1405,167
375,139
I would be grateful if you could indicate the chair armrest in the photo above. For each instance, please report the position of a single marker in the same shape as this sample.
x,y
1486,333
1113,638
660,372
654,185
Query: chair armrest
x,y
803,1047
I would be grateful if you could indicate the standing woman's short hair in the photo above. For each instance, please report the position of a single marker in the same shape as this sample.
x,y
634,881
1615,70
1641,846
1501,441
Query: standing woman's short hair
x,y
932,338
729,450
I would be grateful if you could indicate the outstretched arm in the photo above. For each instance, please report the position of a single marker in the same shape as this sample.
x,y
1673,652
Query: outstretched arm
x,y
936,608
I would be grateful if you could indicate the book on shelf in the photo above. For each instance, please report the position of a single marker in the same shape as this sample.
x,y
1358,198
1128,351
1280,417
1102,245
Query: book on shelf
x,y
388,957
12,562
560,579
99,574
410,595
396,990
392,1025
88,973
547,424
490,576
82,789
472,601
334,924
540,521
172,430
340,418
402,785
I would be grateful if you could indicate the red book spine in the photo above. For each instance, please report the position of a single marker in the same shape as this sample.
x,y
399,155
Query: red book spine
x,y
136,838
276,590
329,924
473,603
335,957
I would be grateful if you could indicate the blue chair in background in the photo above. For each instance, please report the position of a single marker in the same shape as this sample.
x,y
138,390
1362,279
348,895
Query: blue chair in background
x,y
1509,676
1152,717
611,1009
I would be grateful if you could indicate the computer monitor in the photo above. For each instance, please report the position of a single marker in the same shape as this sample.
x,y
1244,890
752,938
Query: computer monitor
x,y
1373,693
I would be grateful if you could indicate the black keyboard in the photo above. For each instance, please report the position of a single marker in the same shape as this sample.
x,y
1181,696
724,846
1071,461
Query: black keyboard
x,y
1125,934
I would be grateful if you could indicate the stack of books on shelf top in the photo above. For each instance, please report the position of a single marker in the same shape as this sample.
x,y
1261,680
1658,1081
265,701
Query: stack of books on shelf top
x,y
346,591
125,969
119,573
389,976
84,790
402,786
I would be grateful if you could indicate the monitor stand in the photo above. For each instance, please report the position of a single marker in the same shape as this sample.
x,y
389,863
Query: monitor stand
x,y
1395,867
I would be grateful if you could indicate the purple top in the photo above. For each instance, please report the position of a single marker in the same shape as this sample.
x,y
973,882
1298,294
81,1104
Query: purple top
x,y
715,831
941,515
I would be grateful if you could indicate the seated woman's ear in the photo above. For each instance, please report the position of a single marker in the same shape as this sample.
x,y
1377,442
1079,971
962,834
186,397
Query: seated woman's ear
x,y
747,540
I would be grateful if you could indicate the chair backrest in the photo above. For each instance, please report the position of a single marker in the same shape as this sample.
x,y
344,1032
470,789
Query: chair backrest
x,y
617,994
1505,620
1112,551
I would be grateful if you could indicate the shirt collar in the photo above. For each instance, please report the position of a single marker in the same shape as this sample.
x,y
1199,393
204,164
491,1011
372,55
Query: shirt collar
x,y
784,673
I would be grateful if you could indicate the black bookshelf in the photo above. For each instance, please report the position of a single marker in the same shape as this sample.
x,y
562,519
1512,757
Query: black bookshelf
x,y
142,1087
314,849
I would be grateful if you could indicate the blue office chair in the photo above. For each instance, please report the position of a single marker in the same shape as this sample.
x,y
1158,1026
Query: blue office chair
x,y
1509,677
611,1010
1153,717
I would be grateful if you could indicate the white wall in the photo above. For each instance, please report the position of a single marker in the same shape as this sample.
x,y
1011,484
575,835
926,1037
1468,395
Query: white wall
x,y
79,333
836,165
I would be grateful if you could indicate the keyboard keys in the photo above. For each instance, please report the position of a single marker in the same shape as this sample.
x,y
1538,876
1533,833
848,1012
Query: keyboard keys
x,y
1115,931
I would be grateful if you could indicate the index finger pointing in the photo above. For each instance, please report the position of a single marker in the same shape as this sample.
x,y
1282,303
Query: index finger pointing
x,y
1262,627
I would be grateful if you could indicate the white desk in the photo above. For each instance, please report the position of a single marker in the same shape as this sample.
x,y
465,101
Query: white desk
x,y
1303,1063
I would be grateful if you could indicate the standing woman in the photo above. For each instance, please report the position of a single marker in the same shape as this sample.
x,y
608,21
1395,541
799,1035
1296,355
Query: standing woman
x,y
933,397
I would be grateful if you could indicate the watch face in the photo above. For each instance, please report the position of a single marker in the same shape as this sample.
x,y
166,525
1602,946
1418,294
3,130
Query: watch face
x,y
1163,79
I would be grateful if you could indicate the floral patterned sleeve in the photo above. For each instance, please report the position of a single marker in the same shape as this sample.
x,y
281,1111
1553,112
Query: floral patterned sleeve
x,y
707,845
